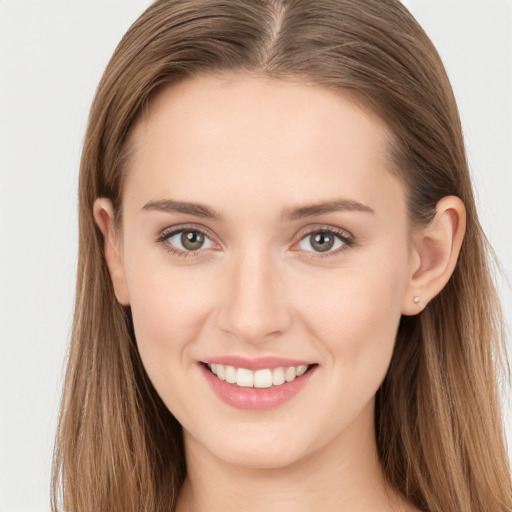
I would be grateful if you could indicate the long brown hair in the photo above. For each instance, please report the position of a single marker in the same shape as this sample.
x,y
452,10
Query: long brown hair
x,y
438,423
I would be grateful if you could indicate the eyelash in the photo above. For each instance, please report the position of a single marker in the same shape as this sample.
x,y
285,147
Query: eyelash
x,y
346,239
169,233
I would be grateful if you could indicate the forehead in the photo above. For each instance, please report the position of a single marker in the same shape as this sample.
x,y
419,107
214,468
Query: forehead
x,y
256,136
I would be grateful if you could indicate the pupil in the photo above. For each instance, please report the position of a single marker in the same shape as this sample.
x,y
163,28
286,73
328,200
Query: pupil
x,y
192,240
322,242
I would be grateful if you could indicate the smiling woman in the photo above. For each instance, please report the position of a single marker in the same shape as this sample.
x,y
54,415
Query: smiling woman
x,y
283,295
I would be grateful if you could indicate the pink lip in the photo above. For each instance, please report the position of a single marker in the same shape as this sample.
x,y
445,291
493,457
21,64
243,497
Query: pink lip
x,y
254,398
257,363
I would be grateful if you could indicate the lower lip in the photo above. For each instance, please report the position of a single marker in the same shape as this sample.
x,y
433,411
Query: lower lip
x,y
256,399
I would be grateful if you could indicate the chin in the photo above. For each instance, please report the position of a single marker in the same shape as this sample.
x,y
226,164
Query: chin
x,y
259,458
273,451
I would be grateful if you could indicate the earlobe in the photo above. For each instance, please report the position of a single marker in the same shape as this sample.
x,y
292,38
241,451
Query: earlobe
x,y
104,217
436,249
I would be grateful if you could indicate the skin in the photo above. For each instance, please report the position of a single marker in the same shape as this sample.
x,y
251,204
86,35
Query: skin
x,y
251,149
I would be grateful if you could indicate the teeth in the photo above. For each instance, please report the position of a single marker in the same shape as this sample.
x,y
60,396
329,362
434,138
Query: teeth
x,y
258,379
290,374
244,378
301,370
221,372
230,374
278,376
263,378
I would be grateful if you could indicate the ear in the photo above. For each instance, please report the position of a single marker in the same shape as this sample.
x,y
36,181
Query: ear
x,y
104,216
435,250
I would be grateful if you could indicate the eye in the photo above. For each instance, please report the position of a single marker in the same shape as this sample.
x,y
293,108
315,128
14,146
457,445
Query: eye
x,y
324,241
186,241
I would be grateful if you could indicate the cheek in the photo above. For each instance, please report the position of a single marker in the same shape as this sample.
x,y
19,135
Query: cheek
x,y
169,308
355,314
354,326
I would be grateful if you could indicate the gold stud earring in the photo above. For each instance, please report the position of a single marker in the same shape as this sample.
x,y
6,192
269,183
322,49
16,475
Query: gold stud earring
x,y
416,300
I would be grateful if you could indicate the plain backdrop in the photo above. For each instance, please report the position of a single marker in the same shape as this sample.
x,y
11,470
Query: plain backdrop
x,y
52,54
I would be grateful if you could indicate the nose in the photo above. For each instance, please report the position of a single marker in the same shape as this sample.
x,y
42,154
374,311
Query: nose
x,y
254,306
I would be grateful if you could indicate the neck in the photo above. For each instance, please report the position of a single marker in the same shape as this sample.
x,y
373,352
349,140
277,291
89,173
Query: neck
x,y
343,475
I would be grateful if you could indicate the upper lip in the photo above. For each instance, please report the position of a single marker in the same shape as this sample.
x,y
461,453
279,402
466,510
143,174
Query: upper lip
x,y
259,363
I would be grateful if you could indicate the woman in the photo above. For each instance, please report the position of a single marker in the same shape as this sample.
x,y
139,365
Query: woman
x,y
283,294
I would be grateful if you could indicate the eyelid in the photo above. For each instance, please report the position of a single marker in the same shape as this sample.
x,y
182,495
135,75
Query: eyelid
x,y
170,231
322,228
346,237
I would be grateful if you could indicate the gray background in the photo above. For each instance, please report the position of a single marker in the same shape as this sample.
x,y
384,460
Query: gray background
x,y
52,54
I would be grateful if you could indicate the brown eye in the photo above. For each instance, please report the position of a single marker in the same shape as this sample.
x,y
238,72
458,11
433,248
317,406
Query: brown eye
x,y
192,240
186,240
324,241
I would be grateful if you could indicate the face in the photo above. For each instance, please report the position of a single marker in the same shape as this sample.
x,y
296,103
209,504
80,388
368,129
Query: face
x,y
263,231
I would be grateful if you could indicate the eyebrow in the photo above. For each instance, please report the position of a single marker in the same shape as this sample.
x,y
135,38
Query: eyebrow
x,y
300,212
191,208
321,208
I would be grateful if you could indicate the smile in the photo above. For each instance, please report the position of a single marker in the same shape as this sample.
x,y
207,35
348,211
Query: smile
x,y
270,383
263,378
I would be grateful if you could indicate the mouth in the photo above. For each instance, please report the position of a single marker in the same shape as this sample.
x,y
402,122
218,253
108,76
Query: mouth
x,y
257,384
263,378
